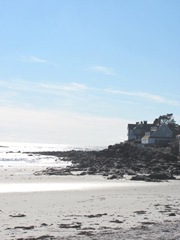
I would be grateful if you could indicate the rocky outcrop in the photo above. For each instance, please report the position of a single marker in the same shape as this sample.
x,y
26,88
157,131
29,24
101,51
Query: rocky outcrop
x,y
54,171
120,159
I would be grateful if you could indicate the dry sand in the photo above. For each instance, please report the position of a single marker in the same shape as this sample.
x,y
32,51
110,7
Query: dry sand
x,y
86,207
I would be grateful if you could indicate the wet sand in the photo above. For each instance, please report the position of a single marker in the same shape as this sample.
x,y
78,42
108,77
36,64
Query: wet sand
x,y
86,207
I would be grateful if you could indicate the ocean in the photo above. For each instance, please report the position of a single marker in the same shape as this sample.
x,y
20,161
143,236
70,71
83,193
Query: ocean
x,y
20,154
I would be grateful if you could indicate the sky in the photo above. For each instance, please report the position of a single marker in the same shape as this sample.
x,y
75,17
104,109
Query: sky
x,y
78,71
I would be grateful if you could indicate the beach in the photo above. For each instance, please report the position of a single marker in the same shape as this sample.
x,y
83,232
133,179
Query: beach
x,y
86,207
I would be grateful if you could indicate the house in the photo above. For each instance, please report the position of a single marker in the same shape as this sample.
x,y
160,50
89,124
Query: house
x,y
131,133
138,130
159,135
162,132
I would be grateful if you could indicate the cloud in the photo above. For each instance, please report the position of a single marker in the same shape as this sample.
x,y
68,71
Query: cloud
x,y
104,70
41,95
33,59
60,127
21,85
24,93
66,87
145,95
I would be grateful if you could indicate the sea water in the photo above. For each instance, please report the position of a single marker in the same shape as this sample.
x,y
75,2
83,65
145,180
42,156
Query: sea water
x,y
22,154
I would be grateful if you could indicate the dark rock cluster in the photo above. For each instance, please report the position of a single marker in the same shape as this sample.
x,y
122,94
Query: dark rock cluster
x,y
144,163
54,171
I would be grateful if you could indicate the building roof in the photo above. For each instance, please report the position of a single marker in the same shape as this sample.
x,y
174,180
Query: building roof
x,y
162,132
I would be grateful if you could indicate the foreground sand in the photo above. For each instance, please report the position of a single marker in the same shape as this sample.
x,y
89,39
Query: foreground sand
x,y
86,207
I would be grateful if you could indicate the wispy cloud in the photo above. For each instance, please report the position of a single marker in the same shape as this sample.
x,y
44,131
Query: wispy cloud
x,y
33,59
148,96
103,69
64,87
33,94
21,85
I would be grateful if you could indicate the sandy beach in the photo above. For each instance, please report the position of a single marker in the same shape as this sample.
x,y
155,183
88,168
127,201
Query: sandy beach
x,y
86,207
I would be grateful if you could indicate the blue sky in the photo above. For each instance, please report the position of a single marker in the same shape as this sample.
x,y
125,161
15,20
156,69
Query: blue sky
x,y
76,72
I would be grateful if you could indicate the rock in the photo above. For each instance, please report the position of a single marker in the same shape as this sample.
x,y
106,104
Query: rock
x,y
76,225
140,178
83,173
112,177
43,237
105,174
54,171
140,212
86,233
19,215
149,163
116,221
172,214
96,215
24,228
131,172
44,224
161,176
154,177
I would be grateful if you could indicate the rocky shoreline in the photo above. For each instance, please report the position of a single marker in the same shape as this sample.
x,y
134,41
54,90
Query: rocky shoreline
x,y
142,163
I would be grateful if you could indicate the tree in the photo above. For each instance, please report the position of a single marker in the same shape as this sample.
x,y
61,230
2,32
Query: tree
x,y
165,119
168,119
